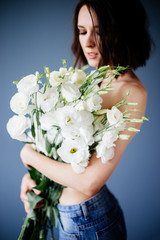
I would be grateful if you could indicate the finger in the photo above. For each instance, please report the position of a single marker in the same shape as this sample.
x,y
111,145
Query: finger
x,y
26,207
36,191
24,197
31,185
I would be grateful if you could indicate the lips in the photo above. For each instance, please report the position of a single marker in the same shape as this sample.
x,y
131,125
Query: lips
x,y
92,55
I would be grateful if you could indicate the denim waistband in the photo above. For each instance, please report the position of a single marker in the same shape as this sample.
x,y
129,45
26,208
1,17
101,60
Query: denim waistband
x,y
101,201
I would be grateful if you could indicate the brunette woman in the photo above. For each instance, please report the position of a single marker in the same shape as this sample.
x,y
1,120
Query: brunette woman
x,y
105,32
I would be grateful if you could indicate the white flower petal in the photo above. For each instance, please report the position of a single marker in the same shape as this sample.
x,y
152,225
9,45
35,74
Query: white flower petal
x,y
16,126
28,84
70,92
19,103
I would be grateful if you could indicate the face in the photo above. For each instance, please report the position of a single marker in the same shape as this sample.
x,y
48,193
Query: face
x,y
89,36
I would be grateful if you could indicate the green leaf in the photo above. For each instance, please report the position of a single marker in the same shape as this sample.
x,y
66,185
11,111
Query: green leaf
x,y
31,215
42,185
51,215
33,131
48,146
100,112
35,175
56,195
37,118
33,199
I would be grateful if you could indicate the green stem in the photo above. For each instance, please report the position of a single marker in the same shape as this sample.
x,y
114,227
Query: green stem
x,y
26,221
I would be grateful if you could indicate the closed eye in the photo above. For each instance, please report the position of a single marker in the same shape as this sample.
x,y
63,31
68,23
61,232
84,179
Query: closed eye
x,y
82,33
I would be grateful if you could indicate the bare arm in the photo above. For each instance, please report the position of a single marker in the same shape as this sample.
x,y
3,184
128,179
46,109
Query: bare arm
x,y
96,174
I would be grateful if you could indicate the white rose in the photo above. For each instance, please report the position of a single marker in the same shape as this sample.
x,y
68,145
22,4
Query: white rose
x,y
81,105
62,71
54,78
109,138
68,116
28,85
74,151
86,132
54,136
47,120
93,90
98,126
46,101
57,77
78,77
16,127
94,103
115,117
79,167
104,153
19,103
70,132
70,92
41,145
86,118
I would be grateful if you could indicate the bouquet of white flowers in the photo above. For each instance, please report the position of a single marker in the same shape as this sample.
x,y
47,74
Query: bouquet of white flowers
x,y
62,118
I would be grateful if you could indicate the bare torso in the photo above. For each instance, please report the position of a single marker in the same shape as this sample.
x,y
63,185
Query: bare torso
x,y
71,196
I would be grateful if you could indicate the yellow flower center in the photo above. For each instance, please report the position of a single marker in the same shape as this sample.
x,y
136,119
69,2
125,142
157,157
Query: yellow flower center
x,y
69,119
73,150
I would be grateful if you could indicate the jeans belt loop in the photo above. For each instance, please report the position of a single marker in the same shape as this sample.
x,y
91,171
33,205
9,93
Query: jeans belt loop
x,y
85,211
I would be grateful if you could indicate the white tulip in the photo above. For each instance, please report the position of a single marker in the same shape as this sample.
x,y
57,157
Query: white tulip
x,y
16,127
19,103
28,85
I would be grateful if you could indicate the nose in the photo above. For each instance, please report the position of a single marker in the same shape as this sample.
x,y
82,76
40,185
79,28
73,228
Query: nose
x,y
90,41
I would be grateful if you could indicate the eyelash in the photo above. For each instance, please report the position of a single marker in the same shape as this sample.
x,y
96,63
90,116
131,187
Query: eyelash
x,y
83,33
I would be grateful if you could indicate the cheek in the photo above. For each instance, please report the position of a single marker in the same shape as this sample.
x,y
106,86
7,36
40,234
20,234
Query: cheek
x,y
82,42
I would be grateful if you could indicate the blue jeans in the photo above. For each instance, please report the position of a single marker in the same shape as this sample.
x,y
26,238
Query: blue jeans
x,y
100,217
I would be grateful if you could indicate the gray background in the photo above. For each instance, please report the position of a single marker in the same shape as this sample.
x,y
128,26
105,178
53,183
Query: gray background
x,y
34,34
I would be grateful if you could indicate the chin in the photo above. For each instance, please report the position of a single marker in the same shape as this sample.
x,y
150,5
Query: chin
x,y
93,63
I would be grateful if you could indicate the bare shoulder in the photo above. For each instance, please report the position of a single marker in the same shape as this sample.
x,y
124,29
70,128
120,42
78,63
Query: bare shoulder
x,y
124,83
138,93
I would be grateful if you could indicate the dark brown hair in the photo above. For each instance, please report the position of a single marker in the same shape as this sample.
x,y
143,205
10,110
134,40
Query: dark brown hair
x,y
124,35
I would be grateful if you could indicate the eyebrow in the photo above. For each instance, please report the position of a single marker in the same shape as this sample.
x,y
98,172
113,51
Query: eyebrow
x,y
80,26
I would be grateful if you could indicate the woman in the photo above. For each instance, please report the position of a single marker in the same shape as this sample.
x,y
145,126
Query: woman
x,y
105,32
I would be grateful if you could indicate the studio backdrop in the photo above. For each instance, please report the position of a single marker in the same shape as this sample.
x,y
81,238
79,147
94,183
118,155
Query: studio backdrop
x,y
37,33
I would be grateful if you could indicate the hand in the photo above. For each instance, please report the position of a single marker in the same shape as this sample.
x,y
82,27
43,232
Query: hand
x,y
28,184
